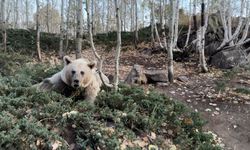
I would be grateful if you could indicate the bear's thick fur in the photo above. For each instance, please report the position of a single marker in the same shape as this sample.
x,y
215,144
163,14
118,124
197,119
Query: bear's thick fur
x,y
78,76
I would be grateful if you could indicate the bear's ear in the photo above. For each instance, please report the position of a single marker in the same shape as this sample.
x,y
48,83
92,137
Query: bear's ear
x,y
92,65
66,60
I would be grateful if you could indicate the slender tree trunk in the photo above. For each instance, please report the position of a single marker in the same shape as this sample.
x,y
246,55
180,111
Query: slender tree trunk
x,y
143,16
226,39
132,16
103,15
99,67
93,17
152,24
27,13
16,14
194,16
79,29
47,16
176,24
61,53
118,46
90,32
201,40
163,26
3,25
124,16
67,26
108,14
155,25
136,24
160,13
229,22
189,24
246,28
170,49
38,30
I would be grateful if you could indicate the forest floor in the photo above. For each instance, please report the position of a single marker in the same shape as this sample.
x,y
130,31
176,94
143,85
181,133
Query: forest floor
x,y
221,96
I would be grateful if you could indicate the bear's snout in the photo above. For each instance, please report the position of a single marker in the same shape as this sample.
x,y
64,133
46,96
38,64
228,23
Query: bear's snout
x,y
76,83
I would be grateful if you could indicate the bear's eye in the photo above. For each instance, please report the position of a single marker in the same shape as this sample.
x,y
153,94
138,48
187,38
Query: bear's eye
x,y
82,73
73,72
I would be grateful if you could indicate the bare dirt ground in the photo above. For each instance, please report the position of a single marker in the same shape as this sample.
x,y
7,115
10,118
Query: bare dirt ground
x,y
226,111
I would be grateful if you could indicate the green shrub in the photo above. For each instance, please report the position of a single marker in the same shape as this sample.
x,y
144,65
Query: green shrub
x,y
40,120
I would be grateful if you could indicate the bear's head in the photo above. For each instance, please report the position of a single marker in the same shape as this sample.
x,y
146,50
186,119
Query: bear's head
x,y
78,73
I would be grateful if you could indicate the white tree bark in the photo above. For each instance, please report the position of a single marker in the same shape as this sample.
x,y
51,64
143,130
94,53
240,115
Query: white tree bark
x,y
226,39
27,13
136,23
152,24
194,15
229,20
61,53
16,25
171,41
79,29
189,24
38,31
97,56
67,25
246,28
3,25
47,16
108,16
161,12
132,15
90,32
118,46
176,24
201,37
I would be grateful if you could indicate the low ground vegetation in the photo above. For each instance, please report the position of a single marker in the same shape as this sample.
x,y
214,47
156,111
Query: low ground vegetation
x,y
130,119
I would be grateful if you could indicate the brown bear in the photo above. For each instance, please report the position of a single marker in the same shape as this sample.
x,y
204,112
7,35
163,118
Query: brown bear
x,y
78,76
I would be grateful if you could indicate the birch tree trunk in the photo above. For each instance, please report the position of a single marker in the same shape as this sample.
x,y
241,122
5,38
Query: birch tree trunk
x,y
152,24
67,26
229,20
163,25
118,46
108,14
79,29
124,16
161,12
93,17
27,13
136,24
61,53
38,30
103,16
47,16
90,32
189,24
246,28
226,39
194,15
176,24
171,41
132,16
16,14
97,56
3,25
201,38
